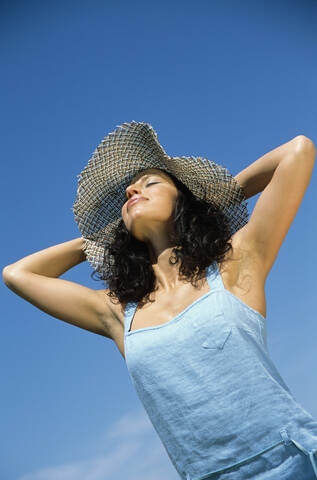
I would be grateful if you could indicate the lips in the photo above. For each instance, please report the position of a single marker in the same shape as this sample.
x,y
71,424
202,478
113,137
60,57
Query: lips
x,y
134,200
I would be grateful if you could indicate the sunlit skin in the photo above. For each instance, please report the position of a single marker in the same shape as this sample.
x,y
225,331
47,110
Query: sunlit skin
x,y
150,221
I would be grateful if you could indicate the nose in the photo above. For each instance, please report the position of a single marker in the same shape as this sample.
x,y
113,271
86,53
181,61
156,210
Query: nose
x,y
132,190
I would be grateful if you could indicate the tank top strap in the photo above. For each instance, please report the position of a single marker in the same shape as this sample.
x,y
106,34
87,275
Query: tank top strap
x,y
128,314
213,277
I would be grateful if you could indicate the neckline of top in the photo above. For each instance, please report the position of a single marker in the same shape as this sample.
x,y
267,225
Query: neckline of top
x,y
132,306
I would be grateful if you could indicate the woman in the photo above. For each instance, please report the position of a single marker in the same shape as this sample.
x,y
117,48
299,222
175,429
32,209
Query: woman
x,y
186,304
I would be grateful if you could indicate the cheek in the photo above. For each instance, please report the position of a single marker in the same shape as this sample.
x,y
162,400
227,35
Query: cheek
x,y
165,207
164,203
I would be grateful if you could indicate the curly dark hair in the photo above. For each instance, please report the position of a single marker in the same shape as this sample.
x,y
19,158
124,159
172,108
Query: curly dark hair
x,y
201,235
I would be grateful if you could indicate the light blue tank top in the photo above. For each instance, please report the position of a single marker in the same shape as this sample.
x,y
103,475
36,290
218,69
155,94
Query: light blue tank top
x,y
210,388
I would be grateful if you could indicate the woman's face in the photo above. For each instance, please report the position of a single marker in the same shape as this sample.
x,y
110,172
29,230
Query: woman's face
x,y
151,215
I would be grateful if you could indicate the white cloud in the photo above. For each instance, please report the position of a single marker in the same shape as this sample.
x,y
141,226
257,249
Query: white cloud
x,y
133,452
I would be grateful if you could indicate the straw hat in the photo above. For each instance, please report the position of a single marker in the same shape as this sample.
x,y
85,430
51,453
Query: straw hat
x,y
129,149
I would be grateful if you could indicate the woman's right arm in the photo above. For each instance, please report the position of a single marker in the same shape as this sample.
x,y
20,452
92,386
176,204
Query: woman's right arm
x,y
35,278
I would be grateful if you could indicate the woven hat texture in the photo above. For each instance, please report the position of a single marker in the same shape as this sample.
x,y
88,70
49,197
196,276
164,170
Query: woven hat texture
x,y
129,149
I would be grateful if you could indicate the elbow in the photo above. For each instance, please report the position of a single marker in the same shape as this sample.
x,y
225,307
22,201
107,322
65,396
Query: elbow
x,y
305,146
8,274
303,142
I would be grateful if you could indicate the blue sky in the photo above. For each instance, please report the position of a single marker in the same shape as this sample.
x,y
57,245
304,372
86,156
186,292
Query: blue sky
x,y
225,80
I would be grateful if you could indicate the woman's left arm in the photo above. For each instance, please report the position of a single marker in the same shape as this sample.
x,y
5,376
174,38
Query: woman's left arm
x,y
284,175
254,178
